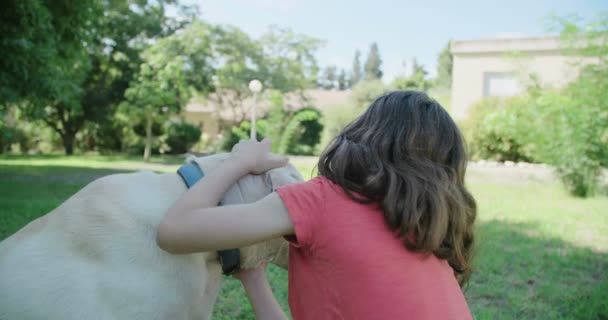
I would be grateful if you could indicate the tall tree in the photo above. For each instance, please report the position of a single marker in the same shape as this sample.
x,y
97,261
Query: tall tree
x,y
329,78
173,67
289,59
343,82
55,96
373,63
98,49
417,80
444,67
283,60
39,39
126,29
356,74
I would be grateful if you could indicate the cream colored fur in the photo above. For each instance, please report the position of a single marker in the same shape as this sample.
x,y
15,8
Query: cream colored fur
x,y
95,256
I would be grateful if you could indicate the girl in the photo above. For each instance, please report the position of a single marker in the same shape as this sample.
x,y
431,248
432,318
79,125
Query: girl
x,y
384,232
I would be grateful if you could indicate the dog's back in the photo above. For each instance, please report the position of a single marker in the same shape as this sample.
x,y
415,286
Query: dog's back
x,y
95,256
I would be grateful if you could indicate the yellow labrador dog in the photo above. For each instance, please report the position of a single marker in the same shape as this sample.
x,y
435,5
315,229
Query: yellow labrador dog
x,y
95,256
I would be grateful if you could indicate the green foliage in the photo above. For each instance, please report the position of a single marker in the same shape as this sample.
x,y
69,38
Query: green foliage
x,y
182,136
172,68
334,120
289,60
283,60
243,132
90,49
567,128
416,81
365,92
302,133
19,135
298,133
576,119
373,63
329,78
444,67
125,30
42,48
277,118
343,82
499,129
357,73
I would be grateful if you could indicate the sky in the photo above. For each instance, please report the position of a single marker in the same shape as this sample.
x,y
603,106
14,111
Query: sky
x,y
403,29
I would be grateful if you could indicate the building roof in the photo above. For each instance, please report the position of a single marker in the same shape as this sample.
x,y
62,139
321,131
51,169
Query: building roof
x,y
316,98
499,45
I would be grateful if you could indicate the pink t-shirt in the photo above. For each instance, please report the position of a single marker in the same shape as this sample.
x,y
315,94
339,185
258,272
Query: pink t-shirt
x,y
346,264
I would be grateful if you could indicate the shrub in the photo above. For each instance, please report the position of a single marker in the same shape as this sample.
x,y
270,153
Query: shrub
x,y
299,136
10,136
181,136
499,129
302,133
334,120
365,92
574,125
235,134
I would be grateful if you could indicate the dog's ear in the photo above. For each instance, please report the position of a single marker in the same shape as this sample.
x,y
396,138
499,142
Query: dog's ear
x,y
283,176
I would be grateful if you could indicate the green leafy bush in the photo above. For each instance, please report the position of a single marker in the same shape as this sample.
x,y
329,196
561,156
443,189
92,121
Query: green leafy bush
x,y
181,136
302,133
299,136
499,129
243,132
574,129
365,92
334,120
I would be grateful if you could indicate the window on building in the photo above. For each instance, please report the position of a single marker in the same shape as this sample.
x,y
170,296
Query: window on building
x,y
500,84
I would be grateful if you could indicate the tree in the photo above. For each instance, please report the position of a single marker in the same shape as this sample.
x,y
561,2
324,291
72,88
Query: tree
x,y
373,63
97,47
343,83
237,59
416,81
283,60
444,67
574,123
39,40
289,60
365,92
173,68
55,97
126,30
329,78
356,74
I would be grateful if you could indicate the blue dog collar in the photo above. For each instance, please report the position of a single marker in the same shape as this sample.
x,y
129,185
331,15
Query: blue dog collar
x,y
230,259
191,173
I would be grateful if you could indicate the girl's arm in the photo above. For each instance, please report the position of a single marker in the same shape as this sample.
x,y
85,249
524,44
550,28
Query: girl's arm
x,y
260,295
195,223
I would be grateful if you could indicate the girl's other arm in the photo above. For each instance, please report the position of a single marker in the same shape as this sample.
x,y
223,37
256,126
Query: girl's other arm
x,y
260,294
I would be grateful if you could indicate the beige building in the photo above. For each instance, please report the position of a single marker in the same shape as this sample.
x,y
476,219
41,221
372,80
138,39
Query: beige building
x,y
208,113
503,67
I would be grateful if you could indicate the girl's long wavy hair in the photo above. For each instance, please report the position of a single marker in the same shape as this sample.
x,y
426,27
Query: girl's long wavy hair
x,y
406,154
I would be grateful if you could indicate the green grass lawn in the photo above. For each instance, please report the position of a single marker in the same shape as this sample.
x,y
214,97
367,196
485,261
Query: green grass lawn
x,y
541,253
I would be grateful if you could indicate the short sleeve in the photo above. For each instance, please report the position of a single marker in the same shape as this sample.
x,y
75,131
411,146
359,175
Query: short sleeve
x,y
305,203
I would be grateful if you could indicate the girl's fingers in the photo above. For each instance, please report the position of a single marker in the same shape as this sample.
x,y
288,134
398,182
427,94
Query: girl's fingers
x,y
278,161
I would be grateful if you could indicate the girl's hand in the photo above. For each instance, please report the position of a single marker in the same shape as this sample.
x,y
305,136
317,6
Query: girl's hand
x,y
256,156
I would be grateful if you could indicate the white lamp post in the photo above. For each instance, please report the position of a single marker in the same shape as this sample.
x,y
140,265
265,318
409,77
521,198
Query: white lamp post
x,y
255,86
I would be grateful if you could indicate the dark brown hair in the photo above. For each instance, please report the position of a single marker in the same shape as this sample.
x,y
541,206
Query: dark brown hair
x,y
406,154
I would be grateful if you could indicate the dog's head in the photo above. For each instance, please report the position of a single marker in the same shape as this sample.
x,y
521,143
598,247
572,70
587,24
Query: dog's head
x,y
249,189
